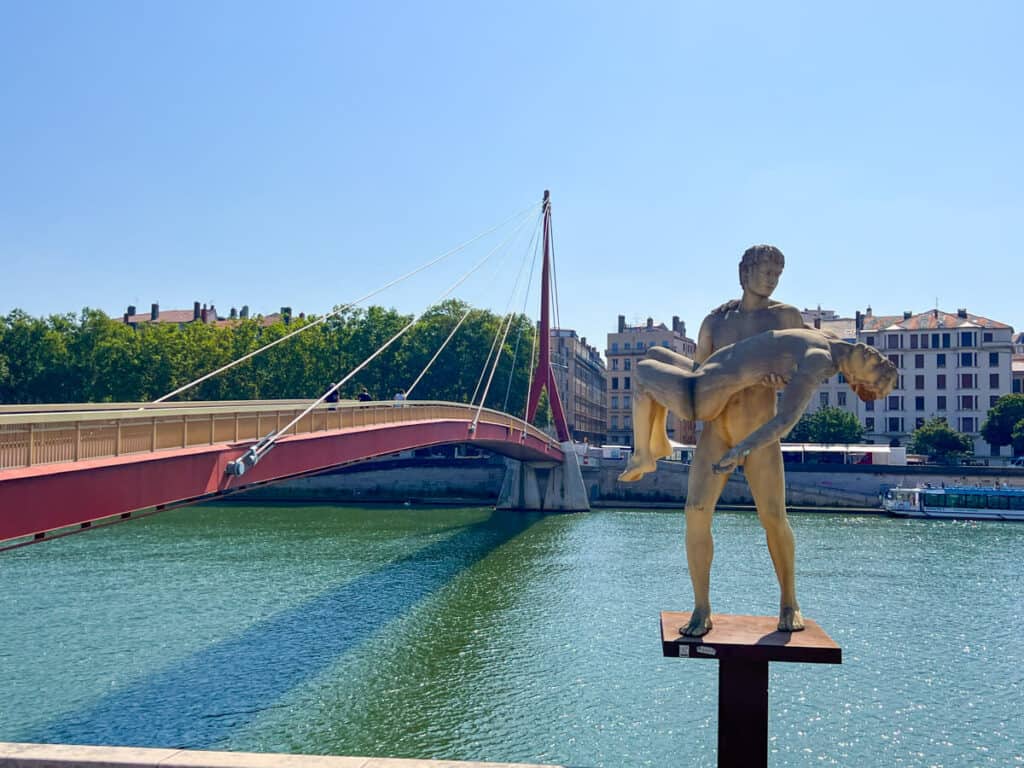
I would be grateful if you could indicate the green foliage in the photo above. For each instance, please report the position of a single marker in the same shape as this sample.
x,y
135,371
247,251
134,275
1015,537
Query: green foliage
x,y
936,439
826,425
1002,420
94,358
1018,437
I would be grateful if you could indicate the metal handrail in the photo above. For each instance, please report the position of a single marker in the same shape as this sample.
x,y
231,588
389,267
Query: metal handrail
x,y
50,437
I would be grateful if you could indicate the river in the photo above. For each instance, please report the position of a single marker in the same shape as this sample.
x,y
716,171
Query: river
x,y
466,633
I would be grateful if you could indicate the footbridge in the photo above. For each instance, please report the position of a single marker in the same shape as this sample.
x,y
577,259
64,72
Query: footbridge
x,y
62,469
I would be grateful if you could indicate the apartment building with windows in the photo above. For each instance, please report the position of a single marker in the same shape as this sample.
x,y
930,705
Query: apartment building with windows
x,y
953,365
833,391
581,379
626,347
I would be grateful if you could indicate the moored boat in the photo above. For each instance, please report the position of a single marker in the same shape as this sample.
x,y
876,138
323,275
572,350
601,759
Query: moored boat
x,y
956,502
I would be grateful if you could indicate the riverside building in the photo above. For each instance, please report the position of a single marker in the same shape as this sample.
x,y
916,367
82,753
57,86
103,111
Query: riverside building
x,y
626,347
581,379
952,365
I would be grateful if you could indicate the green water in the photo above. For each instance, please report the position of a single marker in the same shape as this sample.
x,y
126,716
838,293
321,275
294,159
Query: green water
x,y
473,634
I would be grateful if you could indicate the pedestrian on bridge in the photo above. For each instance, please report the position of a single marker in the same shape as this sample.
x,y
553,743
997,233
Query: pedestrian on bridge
x,y
364,395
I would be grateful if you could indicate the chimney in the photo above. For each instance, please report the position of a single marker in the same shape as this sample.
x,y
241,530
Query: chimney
x,y
286,315
858,321
935,313
202,313
154,312
126,316
244,314
962,313
817,322
583,340
195,310
213,313
234,314
675,323
131,309
650,323
907,314
302,315
622,323
867,312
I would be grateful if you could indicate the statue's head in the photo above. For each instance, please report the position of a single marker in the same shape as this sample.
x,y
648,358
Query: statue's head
x,y
868,372
760,269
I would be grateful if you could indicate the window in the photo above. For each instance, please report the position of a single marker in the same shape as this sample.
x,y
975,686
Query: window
x,y
869,405
615,346
870,341
615,363
919,381
919,422
895,424
823,399
1016,386
627,364
919,361
940,381
967,402
940,360
993,359
842,379
627,422
639,345
993,381
896,360
615,401
615,382
615,422
940,403
913,341
625,382
935,341
892,341
664,344
967,381
841,399
968,338
894,403
919,403
869,423
986,336
992,400
945,340
899,382
625,401
924,341
968,360
968,424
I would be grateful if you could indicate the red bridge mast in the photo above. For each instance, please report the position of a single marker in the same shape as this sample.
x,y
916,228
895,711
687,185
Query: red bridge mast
x,y
543,377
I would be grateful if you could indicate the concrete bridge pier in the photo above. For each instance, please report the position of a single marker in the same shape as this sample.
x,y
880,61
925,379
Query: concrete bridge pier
x,y
547,486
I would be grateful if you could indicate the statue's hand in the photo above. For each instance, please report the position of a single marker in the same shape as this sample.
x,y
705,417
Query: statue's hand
x,y
775,381
729,462
724,309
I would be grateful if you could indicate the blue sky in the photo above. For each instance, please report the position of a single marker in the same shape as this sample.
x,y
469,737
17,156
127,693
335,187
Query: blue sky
x,y
277,154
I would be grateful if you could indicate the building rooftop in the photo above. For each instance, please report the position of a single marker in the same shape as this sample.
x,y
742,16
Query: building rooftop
x,y
932,320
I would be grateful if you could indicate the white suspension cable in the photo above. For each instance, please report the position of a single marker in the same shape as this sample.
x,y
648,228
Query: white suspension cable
x,y
457,325
524,213
266,443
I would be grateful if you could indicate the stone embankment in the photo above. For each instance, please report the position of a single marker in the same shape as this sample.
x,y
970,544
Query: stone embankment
x,y
478,480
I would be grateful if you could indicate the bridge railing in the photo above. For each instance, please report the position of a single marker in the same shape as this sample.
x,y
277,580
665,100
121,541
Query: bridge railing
x,y
53,436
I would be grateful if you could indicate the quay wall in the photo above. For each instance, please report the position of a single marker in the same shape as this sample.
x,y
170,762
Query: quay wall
x,y
478,480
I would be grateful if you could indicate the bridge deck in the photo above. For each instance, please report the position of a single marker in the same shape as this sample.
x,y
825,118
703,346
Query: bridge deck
x,y
75,468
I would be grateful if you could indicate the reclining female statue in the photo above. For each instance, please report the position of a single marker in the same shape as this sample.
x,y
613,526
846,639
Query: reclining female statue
x,y
798,359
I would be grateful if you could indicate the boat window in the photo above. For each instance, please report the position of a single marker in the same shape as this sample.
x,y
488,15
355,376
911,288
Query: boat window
x,y
934,500
1017,501
998,502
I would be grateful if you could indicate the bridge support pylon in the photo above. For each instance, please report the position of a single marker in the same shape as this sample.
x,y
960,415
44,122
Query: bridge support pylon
x,y
546,486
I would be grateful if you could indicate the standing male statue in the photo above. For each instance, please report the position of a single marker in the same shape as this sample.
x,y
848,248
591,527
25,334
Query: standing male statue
x,y
754,313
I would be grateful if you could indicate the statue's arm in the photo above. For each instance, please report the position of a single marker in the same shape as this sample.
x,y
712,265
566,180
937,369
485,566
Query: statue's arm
x,y
704,345
795,397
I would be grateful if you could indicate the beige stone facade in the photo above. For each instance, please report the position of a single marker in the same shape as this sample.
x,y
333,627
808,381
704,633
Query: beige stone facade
x,y
581,378
626,347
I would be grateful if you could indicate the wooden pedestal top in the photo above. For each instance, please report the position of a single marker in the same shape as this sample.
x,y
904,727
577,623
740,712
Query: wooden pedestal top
x,y
748,638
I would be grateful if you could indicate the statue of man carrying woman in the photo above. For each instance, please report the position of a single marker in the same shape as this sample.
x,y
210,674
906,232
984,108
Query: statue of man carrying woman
x,y
746,350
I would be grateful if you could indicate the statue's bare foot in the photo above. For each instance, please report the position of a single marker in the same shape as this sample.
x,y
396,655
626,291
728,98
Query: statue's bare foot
x,y
637,468
790,620
700,624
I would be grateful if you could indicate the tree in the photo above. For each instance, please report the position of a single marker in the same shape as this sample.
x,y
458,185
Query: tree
x,y
827,425
1003,418
936,439
1018,437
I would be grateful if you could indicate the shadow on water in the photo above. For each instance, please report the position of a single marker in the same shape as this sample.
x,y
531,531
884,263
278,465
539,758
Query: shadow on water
x,y
200,699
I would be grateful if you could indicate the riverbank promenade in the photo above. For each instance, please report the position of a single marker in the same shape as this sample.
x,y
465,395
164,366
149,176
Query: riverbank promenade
x,y
15,755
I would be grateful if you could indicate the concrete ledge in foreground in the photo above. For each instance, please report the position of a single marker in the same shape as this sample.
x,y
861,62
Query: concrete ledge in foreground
x,y
15,755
